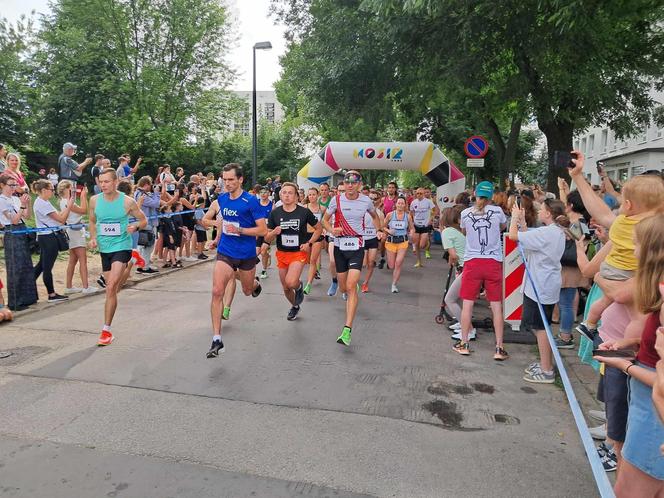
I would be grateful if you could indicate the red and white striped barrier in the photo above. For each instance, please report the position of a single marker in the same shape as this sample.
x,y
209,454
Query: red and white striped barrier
x,y
513,270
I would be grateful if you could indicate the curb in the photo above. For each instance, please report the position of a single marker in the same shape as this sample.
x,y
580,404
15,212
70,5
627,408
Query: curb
x,y
44,305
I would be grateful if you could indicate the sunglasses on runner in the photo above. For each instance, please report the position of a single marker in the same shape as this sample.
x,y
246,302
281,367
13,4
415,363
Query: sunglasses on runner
x,y
352,178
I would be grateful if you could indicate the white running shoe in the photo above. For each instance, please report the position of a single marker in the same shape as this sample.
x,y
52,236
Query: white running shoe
x,y
599,415
598,432
471,336
90,290
189,258
455,326
73,290
395,289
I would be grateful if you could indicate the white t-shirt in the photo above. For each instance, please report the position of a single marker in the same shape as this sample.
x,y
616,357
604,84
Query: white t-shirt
x,y
421,210
352,212
483,233
369,227
53,178
42,210
8,206
544,246
73,218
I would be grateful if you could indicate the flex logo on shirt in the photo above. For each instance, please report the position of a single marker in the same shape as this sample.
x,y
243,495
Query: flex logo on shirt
x,y
229,212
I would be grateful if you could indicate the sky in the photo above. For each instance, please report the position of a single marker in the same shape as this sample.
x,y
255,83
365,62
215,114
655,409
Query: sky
x,y
253,25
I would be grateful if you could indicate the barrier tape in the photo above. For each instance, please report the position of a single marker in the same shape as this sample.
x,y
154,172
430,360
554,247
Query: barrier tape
x,y
603,484
78,226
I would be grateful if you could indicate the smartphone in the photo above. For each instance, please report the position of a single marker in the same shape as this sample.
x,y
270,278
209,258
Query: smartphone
x,y
563,159
518,201
600,167
614,353
576,231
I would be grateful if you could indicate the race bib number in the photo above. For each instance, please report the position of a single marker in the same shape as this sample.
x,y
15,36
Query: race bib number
x,y
398,225
236,224
370,231
349,243
110,229
290,240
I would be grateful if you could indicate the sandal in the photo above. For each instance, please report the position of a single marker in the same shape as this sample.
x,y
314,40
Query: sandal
x,y
167,265
178,265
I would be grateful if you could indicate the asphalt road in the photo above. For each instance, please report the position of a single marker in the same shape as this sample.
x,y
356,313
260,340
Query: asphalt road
x,y
285,411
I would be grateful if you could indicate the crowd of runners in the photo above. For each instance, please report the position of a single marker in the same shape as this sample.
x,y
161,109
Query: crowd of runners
x,y
614,237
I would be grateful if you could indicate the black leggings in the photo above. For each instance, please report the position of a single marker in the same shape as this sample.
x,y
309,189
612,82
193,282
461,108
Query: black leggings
x,y
48,253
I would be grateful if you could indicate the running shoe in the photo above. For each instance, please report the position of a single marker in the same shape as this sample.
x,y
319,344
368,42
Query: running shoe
x,y
599,415
598,432
216,348
140,262
608,457
257,291
105,338
417,265
395,289
317,275
202,256
427,254
344,338
471,336
332,291
563,344
73,290
263,274
307,289
365,287
299,295
500,354
455,326
533,366
292,314
226,314
462,348
381,265
582,328
89,290
539,376
101,281
56,298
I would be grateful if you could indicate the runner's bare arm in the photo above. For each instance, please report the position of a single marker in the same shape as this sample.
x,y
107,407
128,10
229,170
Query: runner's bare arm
x,y
92,225
318,229
209,220
258,231
135,211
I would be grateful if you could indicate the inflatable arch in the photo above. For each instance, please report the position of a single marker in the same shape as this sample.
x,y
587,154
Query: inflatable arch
x,y
417,156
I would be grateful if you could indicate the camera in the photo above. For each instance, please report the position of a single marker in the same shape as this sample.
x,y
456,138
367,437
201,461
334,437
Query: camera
x,y
563,159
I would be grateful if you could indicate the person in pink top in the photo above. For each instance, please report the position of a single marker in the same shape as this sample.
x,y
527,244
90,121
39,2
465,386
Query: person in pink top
x,y
389,205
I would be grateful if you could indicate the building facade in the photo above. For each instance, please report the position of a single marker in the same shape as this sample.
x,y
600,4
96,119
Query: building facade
x,y
267,106
622,158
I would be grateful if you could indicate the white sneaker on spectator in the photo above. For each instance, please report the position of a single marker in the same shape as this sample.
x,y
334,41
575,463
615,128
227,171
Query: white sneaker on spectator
x,y
73,290
189,258
90,290
471,336
598,432
455,326
599,415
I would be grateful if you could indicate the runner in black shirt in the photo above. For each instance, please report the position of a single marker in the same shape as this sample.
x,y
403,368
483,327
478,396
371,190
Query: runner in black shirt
x,y
288,224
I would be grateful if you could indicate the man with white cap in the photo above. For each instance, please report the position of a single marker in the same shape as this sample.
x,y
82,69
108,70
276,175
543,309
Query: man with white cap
x,y
70,169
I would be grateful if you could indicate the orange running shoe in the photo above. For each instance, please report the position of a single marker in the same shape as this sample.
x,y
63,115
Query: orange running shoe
x,y
365,287
140,262
105,339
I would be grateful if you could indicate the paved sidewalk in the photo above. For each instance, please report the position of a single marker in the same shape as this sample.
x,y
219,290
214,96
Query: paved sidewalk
x,y
285,411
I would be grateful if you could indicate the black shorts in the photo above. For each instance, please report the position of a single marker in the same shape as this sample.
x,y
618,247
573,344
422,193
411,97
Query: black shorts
x,y
371,243
238,264
348,260
201,235
426,229
613,391
108,258
531,320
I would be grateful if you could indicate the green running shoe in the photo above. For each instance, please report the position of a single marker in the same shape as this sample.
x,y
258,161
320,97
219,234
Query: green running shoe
x,y
307,289
226,314
344,338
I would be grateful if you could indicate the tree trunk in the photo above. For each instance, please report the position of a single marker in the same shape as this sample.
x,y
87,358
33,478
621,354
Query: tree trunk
x,y
559,136
510,150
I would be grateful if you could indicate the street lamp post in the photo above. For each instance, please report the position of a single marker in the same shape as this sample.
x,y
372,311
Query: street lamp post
x,y
266,45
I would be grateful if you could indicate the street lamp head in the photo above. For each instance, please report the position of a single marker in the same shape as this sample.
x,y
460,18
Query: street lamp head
x,y
266,45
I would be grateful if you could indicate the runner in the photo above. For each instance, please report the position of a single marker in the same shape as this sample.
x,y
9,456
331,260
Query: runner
x,y
389,202
435,212
243,221
324,202
317,244
397,226
372,240
262,248
110,231
288,225
348,209
421,208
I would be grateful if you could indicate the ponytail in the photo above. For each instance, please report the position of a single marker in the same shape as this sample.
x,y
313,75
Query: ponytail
x,y
557,210
39,185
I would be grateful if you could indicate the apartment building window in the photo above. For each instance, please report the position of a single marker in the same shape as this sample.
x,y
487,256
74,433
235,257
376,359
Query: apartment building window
x,y
591,144
269,112
660,132
614,141
576,145
623,143
604,140
642,137
583,144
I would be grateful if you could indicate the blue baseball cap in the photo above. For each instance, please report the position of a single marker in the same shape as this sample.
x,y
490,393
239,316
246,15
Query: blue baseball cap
x,y
484,189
